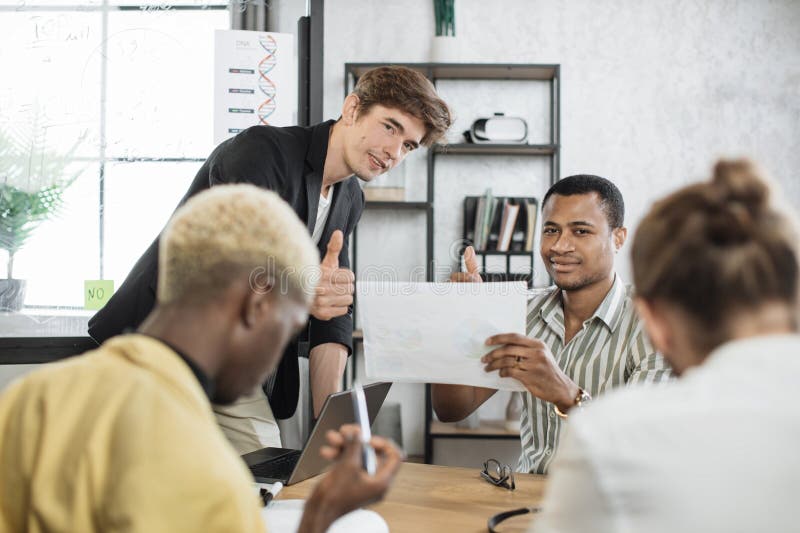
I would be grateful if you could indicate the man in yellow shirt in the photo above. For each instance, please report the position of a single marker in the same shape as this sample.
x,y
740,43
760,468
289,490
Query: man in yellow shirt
x,y
123,438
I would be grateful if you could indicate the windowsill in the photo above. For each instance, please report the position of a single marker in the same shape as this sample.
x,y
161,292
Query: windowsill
x,y
45,323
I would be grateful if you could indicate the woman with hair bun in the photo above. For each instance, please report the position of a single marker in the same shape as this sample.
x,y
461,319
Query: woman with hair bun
x,y
716,271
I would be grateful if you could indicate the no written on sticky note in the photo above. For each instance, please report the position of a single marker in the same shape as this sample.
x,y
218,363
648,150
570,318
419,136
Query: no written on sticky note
x,y
96,292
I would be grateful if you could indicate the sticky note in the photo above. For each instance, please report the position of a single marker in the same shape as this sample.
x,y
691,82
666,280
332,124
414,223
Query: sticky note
x,y
96,292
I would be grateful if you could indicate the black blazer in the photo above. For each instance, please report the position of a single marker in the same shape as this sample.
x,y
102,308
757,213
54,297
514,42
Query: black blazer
x,y
290,162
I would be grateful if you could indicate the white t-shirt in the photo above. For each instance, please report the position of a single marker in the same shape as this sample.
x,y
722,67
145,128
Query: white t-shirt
x,y
322,215
715,451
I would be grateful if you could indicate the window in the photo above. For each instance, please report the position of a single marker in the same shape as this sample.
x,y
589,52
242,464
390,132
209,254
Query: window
x,y
120,96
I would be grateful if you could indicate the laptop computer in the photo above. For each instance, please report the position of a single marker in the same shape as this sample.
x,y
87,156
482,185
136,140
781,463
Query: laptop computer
x,y
289,466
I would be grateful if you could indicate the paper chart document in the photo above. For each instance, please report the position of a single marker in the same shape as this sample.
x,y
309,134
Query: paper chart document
x,y
436,332
255,81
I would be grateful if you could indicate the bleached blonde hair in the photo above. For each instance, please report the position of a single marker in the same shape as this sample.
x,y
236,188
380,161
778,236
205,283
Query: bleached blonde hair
x,y
230,231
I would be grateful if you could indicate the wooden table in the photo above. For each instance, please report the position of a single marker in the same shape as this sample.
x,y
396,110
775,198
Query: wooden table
x,y
442,498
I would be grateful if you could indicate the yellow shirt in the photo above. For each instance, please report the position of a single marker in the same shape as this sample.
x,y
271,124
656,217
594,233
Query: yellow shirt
x,y
119,439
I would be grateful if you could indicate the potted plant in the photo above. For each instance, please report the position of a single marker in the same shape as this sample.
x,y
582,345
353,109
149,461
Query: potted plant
x,y
32,183
444,47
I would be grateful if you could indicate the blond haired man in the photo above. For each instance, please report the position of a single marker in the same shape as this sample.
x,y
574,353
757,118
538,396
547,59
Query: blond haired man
x,y
123,437
391,112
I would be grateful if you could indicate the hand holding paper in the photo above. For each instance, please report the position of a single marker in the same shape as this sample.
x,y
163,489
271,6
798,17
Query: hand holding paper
x,y
531,362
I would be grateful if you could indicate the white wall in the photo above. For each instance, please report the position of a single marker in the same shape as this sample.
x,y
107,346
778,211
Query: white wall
x,y
283,15
652,93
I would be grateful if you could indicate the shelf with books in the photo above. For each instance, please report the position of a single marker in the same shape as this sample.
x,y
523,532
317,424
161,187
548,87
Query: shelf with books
x,y
500,223
501,226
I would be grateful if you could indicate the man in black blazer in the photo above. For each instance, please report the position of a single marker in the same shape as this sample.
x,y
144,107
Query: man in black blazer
x,y
391,112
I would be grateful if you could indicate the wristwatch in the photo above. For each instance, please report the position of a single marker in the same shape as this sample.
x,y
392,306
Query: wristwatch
x,y
582,398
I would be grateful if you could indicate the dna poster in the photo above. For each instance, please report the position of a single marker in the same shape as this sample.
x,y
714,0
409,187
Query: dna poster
x,y
255,81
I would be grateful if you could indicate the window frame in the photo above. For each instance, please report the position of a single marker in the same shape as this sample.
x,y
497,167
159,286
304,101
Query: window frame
x,y
102,160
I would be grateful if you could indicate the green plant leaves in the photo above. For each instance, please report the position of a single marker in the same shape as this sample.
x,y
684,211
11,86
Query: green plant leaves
x,y
32,183
22,211
444,11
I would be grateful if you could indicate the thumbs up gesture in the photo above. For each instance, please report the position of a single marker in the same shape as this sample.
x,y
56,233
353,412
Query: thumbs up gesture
x,y
334,292
471,275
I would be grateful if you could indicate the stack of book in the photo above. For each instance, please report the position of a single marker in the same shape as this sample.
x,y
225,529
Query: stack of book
x,y
500,224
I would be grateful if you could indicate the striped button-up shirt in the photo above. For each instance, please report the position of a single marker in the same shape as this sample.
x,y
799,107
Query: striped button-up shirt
x,y
611,349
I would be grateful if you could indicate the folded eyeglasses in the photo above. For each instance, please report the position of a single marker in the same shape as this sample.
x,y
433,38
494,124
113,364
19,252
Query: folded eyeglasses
x,y
499,475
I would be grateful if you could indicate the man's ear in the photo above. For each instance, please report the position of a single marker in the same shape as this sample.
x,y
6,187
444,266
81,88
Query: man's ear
x,y
620,235
655,324
350,109
255,305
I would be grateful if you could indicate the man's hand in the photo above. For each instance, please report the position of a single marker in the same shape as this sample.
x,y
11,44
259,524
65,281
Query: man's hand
x,y
347,486
471,275
531,362
334,293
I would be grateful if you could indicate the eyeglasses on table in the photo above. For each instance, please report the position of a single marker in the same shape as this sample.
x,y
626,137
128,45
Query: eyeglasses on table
x,y
498,474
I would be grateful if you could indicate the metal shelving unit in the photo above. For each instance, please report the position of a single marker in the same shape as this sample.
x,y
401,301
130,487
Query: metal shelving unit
x,y
398,205
495,149
551,150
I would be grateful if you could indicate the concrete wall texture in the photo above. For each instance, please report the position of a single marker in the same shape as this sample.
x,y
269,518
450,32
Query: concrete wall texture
x,y
652,93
